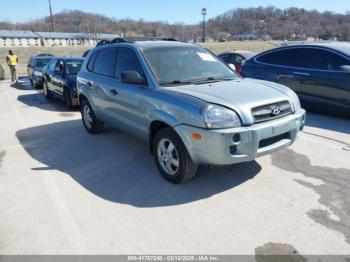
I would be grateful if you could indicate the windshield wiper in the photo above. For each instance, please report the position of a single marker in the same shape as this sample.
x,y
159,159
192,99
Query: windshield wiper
x,y
212,80
198,81
176,82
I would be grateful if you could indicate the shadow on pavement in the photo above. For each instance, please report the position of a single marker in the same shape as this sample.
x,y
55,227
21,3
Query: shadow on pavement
x,y
119,168
23,84
337,124
39,100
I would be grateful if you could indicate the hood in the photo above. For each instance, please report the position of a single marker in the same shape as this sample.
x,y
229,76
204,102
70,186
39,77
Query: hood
x,y
240,95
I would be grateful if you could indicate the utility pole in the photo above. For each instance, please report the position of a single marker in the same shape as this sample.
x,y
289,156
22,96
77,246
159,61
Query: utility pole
x,y
204,13
52,25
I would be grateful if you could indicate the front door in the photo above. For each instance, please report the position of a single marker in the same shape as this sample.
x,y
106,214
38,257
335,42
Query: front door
x,y
57,78
129,99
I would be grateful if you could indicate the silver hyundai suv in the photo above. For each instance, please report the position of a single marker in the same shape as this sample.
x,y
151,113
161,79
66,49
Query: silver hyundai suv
x,y
189,106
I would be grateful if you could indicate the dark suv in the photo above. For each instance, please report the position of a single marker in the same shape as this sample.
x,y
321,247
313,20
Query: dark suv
x,y
318,73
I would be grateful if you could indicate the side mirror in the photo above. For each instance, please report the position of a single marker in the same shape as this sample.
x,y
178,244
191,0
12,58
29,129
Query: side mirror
x,y
132,77
232,66
345,69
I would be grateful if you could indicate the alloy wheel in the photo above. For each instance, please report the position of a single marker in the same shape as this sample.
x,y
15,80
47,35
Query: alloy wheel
x,y
87,116
168,156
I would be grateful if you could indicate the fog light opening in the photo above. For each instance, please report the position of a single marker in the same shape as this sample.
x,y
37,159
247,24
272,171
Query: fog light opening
x,y
236,138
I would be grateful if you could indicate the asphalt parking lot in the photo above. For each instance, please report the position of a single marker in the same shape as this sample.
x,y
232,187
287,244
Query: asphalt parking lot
x,y
63,191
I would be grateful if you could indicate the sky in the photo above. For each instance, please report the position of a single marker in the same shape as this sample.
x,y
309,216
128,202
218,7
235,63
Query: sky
x,y
187,11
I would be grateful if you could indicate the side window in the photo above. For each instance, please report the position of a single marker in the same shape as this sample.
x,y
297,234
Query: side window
x,y
226,58
91,63
105,62
59,67
52,65
323,60
127,61
286,57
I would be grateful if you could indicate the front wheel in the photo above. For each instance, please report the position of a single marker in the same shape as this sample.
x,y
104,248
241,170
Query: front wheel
x,y
90,122
46,90
171,157
32,82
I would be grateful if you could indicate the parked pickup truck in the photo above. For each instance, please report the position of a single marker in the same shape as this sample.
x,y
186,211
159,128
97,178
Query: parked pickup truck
x,y
189,106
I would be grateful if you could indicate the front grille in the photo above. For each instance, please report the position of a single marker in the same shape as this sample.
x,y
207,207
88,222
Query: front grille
x,y
272,140
271,111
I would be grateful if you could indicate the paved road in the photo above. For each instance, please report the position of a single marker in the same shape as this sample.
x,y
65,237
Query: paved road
x,y
63,191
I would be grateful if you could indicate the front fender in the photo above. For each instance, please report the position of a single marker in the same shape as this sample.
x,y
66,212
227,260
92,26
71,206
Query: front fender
x,y
157,115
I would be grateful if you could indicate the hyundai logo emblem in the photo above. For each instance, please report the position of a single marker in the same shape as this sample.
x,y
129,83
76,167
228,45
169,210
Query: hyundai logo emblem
x,y
275,110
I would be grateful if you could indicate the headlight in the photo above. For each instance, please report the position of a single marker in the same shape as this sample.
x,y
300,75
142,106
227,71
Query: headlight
x,y
220,117
296,101
38,73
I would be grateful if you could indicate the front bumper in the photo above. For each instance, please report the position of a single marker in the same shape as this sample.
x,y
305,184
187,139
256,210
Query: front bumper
x,y
243,144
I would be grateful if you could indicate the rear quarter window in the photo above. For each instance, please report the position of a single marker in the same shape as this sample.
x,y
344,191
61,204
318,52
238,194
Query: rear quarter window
x,y
91,63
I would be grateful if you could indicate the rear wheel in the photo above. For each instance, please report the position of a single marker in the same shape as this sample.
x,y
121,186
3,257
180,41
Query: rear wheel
x,y
90,122
171,157
46,90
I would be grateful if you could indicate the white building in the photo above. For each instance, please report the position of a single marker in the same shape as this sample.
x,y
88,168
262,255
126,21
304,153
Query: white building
x,y
18,38
28,38
62,39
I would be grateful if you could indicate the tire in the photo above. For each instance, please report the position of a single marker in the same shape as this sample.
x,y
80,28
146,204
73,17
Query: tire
x,y
47,92
166,163
90,122
67,98
32,82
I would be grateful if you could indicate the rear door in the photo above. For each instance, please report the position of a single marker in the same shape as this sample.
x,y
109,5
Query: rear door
x,y
102,65
57,78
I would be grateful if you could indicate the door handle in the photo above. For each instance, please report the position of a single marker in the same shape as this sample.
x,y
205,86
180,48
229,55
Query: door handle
x,y
301,74
114,92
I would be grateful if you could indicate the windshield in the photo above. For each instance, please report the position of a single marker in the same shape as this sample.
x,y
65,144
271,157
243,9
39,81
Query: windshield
x,y
42,62
73,67
189,64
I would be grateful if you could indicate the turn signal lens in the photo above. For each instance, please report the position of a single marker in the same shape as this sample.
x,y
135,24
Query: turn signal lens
x,y
196,136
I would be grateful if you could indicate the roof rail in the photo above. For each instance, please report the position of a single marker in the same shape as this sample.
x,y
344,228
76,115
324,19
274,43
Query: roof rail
x,y
103,42
133,39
